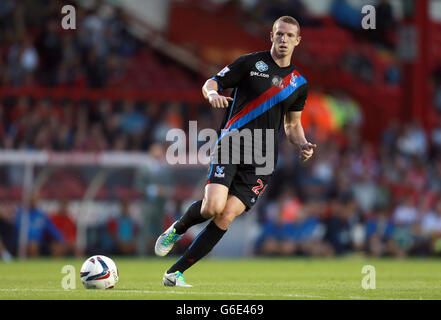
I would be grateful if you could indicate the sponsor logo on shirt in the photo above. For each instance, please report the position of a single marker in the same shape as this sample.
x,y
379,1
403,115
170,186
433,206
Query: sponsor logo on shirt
x,y
261,66
259,74
223,71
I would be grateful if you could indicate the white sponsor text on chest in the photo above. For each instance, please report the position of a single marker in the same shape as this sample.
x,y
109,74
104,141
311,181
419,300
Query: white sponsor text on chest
x,y
259,74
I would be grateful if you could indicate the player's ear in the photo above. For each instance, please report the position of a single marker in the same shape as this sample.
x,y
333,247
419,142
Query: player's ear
x,y
299,38
271,36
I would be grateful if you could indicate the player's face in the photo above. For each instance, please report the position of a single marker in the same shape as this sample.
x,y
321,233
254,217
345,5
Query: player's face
x,y
284,38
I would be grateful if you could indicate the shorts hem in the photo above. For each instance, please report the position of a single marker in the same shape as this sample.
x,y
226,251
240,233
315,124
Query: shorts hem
x,y
241,198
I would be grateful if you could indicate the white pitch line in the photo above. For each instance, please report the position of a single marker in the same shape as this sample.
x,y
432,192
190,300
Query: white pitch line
x,y
287,295
173,292
229,293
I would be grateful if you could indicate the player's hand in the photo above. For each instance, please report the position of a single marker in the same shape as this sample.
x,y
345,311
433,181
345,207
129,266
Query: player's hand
x,y
218,101
307,150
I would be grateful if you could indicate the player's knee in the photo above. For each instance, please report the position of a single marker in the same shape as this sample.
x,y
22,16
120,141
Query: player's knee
x,y
211,208
225,218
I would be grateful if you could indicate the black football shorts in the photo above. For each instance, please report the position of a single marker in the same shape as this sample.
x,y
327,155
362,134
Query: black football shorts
x,y
241,180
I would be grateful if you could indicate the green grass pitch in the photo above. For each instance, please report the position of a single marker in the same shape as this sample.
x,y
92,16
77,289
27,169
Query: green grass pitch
x,y
232,279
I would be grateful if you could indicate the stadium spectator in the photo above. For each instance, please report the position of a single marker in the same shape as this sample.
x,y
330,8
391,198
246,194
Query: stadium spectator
x,y
358,64
413,141
23,60
434,173
5,237
379,230
155,182
293,228
406,213
339,226
346,14
131,121
64,223
431,227
49,46
366,191
123,230
435,137
41,232
390,136
392,75
96,69
279,230
405,219
310,231
437,89
385,24
4,253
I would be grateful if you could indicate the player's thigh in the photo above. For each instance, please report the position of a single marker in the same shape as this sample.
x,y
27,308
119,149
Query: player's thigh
x,y
215,199
216,190
234,206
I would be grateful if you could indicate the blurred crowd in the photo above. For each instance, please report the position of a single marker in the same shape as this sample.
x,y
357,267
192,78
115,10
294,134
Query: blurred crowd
x,y
55,233
63,125
35,50
352,196
345,13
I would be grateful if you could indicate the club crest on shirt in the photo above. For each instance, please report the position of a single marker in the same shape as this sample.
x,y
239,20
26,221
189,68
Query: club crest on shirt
x,y
277,81
219,172
293,80
261,66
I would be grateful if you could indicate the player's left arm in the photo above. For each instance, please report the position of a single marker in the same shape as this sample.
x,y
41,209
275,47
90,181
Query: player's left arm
x,y
296,135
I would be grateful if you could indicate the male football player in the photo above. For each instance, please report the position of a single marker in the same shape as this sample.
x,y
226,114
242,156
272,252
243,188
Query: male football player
x,y
267,91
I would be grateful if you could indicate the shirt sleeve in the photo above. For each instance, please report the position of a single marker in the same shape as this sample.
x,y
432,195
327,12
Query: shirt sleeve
x,y
231,75
299,103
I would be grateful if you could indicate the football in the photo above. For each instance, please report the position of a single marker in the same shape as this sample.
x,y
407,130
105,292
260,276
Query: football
x,y
99,272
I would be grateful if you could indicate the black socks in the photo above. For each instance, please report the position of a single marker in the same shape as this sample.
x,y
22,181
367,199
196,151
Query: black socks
x,y
200,247
203,243
190,218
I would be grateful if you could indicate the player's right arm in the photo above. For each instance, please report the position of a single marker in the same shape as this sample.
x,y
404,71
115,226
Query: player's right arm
x,y
228,77
210,92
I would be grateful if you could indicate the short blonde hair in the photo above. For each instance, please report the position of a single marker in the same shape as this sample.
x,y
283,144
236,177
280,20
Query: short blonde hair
x,y
290,20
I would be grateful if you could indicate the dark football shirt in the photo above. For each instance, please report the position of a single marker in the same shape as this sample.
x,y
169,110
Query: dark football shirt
x,y
262,94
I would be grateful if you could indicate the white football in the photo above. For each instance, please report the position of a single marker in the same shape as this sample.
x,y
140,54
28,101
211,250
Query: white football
x,y
99,272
